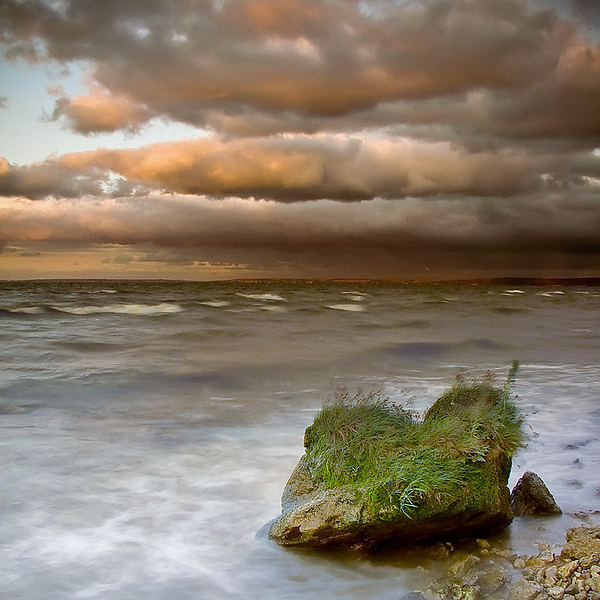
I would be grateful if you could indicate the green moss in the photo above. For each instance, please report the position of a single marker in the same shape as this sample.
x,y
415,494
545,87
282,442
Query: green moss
x,y
400,465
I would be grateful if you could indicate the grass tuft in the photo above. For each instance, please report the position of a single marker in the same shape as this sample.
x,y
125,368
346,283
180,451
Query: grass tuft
x,y
402,465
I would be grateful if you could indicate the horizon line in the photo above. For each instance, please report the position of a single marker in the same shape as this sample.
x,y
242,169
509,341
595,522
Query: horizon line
x,y
531,280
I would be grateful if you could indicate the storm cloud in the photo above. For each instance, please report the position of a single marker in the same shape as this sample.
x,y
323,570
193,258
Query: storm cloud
x,y
317,58
425,127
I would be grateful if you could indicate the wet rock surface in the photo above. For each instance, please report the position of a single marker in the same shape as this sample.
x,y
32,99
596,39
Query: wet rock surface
x,y
490,573
317,517
531,497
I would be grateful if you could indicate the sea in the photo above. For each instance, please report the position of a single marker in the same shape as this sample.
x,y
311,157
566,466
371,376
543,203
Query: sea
x,y
148,428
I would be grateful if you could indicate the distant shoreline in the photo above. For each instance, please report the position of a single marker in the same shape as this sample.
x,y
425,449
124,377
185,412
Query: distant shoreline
x,y
512,281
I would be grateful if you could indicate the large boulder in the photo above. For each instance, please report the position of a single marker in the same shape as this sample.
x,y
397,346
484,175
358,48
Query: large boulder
x,y
373,473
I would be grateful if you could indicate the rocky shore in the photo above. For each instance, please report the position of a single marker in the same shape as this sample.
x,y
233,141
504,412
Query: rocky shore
x,y
493,574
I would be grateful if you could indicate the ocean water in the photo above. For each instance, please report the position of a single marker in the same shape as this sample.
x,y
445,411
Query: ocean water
x,y
147,429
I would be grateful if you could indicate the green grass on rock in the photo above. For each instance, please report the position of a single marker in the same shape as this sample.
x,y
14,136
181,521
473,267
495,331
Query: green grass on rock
x,y
403,466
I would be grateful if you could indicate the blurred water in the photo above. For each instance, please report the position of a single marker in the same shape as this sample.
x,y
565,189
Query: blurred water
x,y
147,429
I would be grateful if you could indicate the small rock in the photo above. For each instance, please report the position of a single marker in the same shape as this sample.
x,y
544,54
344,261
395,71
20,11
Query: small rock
x,y
587,562
541,560
568,569
492,581
413,596
540,576
462,567
525,590
531,497
573,589
435,591
465,592
520,562
556,592
484,544
528,573
550,576
582,542
440,550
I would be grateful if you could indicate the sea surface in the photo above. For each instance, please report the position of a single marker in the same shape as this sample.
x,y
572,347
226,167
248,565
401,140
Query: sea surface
x,y
147,429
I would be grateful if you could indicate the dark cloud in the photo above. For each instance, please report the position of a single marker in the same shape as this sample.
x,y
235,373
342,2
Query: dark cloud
x,y
300,168
50,178
455,131
466,224
539,232
263,64
40,180
588,9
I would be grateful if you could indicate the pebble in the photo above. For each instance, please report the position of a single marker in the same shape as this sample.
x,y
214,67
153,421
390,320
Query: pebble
x,y
556,592
463,566
520,563
525,590
568,569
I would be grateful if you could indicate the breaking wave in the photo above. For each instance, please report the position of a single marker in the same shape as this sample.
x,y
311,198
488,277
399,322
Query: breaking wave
x,y
346,307
263,297
144,310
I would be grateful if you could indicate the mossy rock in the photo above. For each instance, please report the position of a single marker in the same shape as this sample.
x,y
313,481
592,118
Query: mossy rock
x,y
374,473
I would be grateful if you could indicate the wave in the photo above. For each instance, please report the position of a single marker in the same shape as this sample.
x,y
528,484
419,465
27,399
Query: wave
x,y
356,298
215,303
552,294
24,310
346,307
277,309
144,310
263,297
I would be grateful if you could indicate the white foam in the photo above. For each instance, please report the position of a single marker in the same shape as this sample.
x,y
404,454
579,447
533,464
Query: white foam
x,y
28,310
346,307
513,292
279,309
164,308
216,303
356,298
264,297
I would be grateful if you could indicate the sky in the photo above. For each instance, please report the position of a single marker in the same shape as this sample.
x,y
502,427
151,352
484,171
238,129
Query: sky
x,y
218,139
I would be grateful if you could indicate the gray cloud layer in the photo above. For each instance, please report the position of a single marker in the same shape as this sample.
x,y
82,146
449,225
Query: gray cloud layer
x,y
380,237
445,126
292,168
208,62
